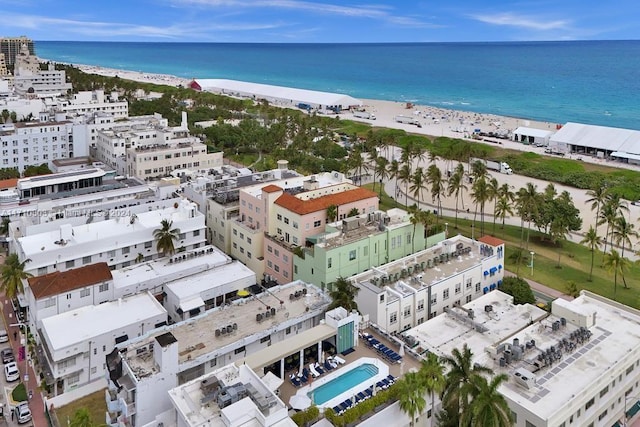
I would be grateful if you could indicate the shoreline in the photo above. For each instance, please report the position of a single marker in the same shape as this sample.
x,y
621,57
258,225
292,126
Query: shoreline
x,y
435,121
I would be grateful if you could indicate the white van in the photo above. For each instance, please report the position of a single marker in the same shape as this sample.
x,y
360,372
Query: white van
x,y
4,337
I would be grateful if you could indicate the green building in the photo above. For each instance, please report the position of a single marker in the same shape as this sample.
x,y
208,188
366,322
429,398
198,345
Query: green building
x,y
357,244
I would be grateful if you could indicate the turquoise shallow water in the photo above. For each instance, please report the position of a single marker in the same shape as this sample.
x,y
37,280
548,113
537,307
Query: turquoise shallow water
x,y
588,82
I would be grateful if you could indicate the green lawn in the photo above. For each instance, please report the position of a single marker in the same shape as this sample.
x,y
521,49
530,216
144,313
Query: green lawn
x,y
575,260
94,402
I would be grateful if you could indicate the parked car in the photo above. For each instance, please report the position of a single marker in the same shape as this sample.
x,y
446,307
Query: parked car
x,y
11,372
22,413
4,337
7,356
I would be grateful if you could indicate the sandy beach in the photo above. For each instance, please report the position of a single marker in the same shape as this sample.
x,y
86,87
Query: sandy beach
x,y
159,79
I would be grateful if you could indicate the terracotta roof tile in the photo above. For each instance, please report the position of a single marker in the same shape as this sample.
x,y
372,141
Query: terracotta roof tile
x,y
8,183
303,207
60,282
491,241
271,188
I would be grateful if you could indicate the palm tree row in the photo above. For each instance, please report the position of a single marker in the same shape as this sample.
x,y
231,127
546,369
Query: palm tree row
x,y
468,391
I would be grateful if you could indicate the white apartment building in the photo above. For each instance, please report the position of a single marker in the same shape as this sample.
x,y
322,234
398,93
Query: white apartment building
x,y
119,240
407,292
576,366
29,80
25,144
92,103
62,291
23,107
139,383
76,343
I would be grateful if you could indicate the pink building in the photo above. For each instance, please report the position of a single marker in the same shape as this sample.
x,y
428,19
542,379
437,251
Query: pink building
x,y
291,218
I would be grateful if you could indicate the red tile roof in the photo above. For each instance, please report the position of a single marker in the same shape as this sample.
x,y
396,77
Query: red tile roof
x,y
491,241
271,188
60,282
303,207
8,183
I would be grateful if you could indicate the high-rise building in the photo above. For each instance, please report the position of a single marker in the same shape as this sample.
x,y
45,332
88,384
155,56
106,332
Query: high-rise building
x,y
10,47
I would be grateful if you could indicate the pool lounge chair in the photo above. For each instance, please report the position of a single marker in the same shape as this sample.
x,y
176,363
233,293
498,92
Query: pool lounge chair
x,y
313,371
319,368
327,365
339,359
295,381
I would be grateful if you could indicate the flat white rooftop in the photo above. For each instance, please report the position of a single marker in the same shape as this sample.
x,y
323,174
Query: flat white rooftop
x,y
85,323
196,402
108,229
585,362
196,336
323,179
166,269
217,276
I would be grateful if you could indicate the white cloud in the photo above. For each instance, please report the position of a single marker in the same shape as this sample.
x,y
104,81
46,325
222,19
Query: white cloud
x,y
522,21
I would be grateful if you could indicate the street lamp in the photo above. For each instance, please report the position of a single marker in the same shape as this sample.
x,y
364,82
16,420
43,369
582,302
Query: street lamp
x,y
532,254
472,225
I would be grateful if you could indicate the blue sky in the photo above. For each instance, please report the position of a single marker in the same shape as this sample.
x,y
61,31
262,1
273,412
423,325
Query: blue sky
x,y
320,21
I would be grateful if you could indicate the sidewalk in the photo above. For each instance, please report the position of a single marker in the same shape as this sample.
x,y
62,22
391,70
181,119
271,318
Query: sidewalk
x,y
36,403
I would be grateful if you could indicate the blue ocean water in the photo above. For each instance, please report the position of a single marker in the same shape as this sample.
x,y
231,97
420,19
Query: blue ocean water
x,y
594,82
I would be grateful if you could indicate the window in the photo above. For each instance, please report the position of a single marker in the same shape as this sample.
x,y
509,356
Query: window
x,y
111,254
604,391
73,379
265,339
276,268
70,264
458,288
445,294
602,415
85,293
295,224
196,233
276,253
329,263
434,299
420,305
241,236
469,284
629,369
269,249
126,250
235,232
213,363
249,255
468,298
279,216
49,302
42,270
407,312
181,236
478,287
147,245
590,403
352,255
248,240
381,297
528,424
317,224
235,245
286,220
393,318
66,363
104,287
86,260
239,350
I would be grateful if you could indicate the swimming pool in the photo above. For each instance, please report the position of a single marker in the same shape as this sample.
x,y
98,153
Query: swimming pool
x,y
343,383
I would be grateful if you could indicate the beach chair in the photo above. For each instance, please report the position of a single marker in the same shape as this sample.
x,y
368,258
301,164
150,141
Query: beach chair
x,y
361,396
295,381
368,392
313,371
319,368
327,365
336,410
340,360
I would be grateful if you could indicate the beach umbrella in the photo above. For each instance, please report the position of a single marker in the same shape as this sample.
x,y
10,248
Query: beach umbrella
x,y
401,351
243,293
300,402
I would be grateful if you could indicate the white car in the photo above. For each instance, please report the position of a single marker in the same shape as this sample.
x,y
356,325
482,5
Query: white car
x,y
11,371
23,413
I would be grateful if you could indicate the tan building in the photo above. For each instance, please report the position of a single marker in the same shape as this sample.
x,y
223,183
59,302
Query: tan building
x,y
148,162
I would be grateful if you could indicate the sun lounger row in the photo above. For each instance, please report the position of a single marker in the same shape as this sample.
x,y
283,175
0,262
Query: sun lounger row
x,y
315,370
363,395
385,351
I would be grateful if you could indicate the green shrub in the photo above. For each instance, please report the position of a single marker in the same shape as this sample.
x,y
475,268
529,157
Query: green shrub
x,y
19,393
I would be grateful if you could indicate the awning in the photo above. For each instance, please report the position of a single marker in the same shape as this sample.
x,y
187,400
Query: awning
x,y
625,155
492,270
486,273
499,266
485,290
192,303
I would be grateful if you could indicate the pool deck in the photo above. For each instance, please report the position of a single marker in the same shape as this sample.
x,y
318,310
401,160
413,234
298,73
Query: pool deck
x,y
361,350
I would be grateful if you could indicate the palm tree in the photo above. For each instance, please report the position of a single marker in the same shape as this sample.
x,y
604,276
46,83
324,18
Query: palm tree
x,y
613,262
418,183
343,294
597,197
457,390
415,219
493,188
393,171
12,275
427,220
380,172
488,407
478,169
332,213
480,196
594,241
612,209
622,232
456,186
165,237
438,185
527,203
432,373
411,390
404,175
81,418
